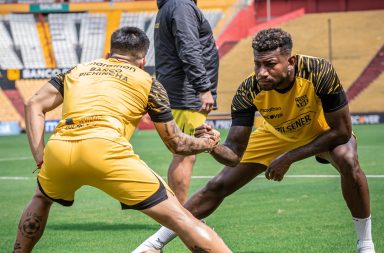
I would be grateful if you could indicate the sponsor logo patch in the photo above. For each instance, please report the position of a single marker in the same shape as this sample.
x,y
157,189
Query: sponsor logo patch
x,y
273,116
295,124
271,109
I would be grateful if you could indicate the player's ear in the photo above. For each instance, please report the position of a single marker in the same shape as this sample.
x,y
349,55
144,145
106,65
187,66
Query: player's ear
x,y
107,55
291,60
142,63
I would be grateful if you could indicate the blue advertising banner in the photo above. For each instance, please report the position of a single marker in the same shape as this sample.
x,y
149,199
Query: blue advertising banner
x,y
9,128
50,125
367,118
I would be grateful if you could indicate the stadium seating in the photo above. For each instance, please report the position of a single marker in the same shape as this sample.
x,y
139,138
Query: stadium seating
x,y
35,1
92,36
146,22
370,99
76,37
25,37
87,1
8,57
213,16
7,111
353,47
64,38
151,33
80,37
29,87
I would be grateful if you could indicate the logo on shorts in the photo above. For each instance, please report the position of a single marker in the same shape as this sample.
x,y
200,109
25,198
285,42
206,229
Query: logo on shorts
x,y
301,101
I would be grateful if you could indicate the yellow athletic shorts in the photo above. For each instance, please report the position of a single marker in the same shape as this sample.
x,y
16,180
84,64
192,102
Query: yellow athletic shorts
x,y
188,120
101,163
263,147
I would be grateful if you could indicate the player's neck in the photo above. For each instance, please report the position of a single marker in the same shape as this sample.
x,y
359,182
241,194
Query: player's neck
x,y
122,58
287,84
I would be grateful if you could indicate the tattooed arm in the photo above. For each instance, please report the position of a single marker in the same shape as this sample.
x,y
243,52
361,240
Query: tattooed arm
x,y
231,152
179,143
44,100
159,110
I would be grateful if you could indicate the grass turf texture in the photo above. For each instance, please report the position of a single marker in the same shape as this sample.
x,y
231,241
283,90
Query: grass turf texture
x,y
295,215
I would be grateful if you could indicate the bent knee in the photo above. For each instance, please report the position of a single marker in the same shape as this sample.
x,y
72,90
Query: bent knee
x,y
349,166
40,197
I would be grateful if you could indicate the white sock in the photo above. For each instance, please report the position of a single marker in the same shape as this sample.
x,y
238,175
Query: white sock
x,y
364,236
156,241
363,228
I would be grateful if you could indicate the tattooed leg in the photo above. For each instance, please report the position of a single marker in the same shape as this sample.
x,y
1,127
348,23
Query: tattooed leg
x,y
30,226
32,223
17,247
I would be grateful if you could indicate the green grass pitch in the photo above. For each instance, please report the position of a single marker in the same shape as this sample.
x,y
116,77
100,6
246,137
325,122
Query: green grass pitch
x,y
295,215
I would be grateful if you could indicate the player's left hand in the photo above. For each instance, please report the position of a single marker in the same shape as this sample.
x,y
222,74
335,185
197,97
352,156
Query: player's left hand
x,y
278,167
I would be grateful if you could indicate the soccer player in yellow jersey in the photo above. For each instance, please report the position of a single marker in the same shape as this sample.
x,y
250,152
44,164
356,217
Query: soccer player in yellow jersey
x,y
305,112
103,101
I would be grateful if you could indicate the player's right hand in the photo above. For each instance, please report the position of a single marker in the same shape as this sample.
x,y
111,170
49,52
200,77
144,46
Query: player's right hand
x,y
202,130
207,131
207,102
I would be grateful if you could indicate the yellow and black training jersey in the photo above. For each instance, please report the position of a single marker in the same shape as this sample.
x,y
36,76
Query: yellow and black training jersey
x,y
106,98
296,114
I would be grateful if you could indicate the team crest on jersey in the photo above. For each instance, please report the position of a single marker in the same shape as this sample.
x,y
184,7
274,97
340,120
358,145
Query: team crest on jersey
x,y
301,101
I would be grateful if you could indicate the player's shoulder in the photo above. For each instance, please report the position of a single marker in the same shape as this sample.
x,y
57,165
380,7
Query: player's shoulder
x,y
310,63
309,67
249,83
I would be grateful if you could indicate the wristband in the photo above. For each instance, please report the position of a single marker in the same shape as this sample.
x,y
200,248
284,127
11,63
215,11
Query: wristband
x,y
38,166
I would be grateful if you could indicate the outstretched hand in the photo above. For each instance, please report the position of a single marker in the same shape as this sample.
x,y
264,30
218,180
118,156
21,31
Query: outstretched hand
x,y
207,131
278,167
203,130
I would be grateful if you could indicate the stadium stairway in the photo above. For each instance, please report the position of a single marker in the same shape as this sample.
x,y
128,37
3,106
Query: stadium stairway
x,y
369,100
113,22
45,40
369,74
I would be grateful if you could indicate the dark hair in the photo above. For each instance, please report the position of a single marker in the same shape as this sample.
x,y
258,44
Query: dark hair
x,y
129,40
271,39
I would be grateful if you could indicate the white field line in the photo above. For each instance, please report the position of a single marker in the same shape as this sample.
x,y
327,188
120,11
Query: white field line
x,y
209,177
5,159
16,178
300,176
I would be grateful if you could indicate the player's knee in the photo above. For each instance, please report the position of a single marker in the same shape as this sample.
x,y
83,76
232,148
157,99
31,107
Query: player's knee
x,y
349,165
182,222
40,198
